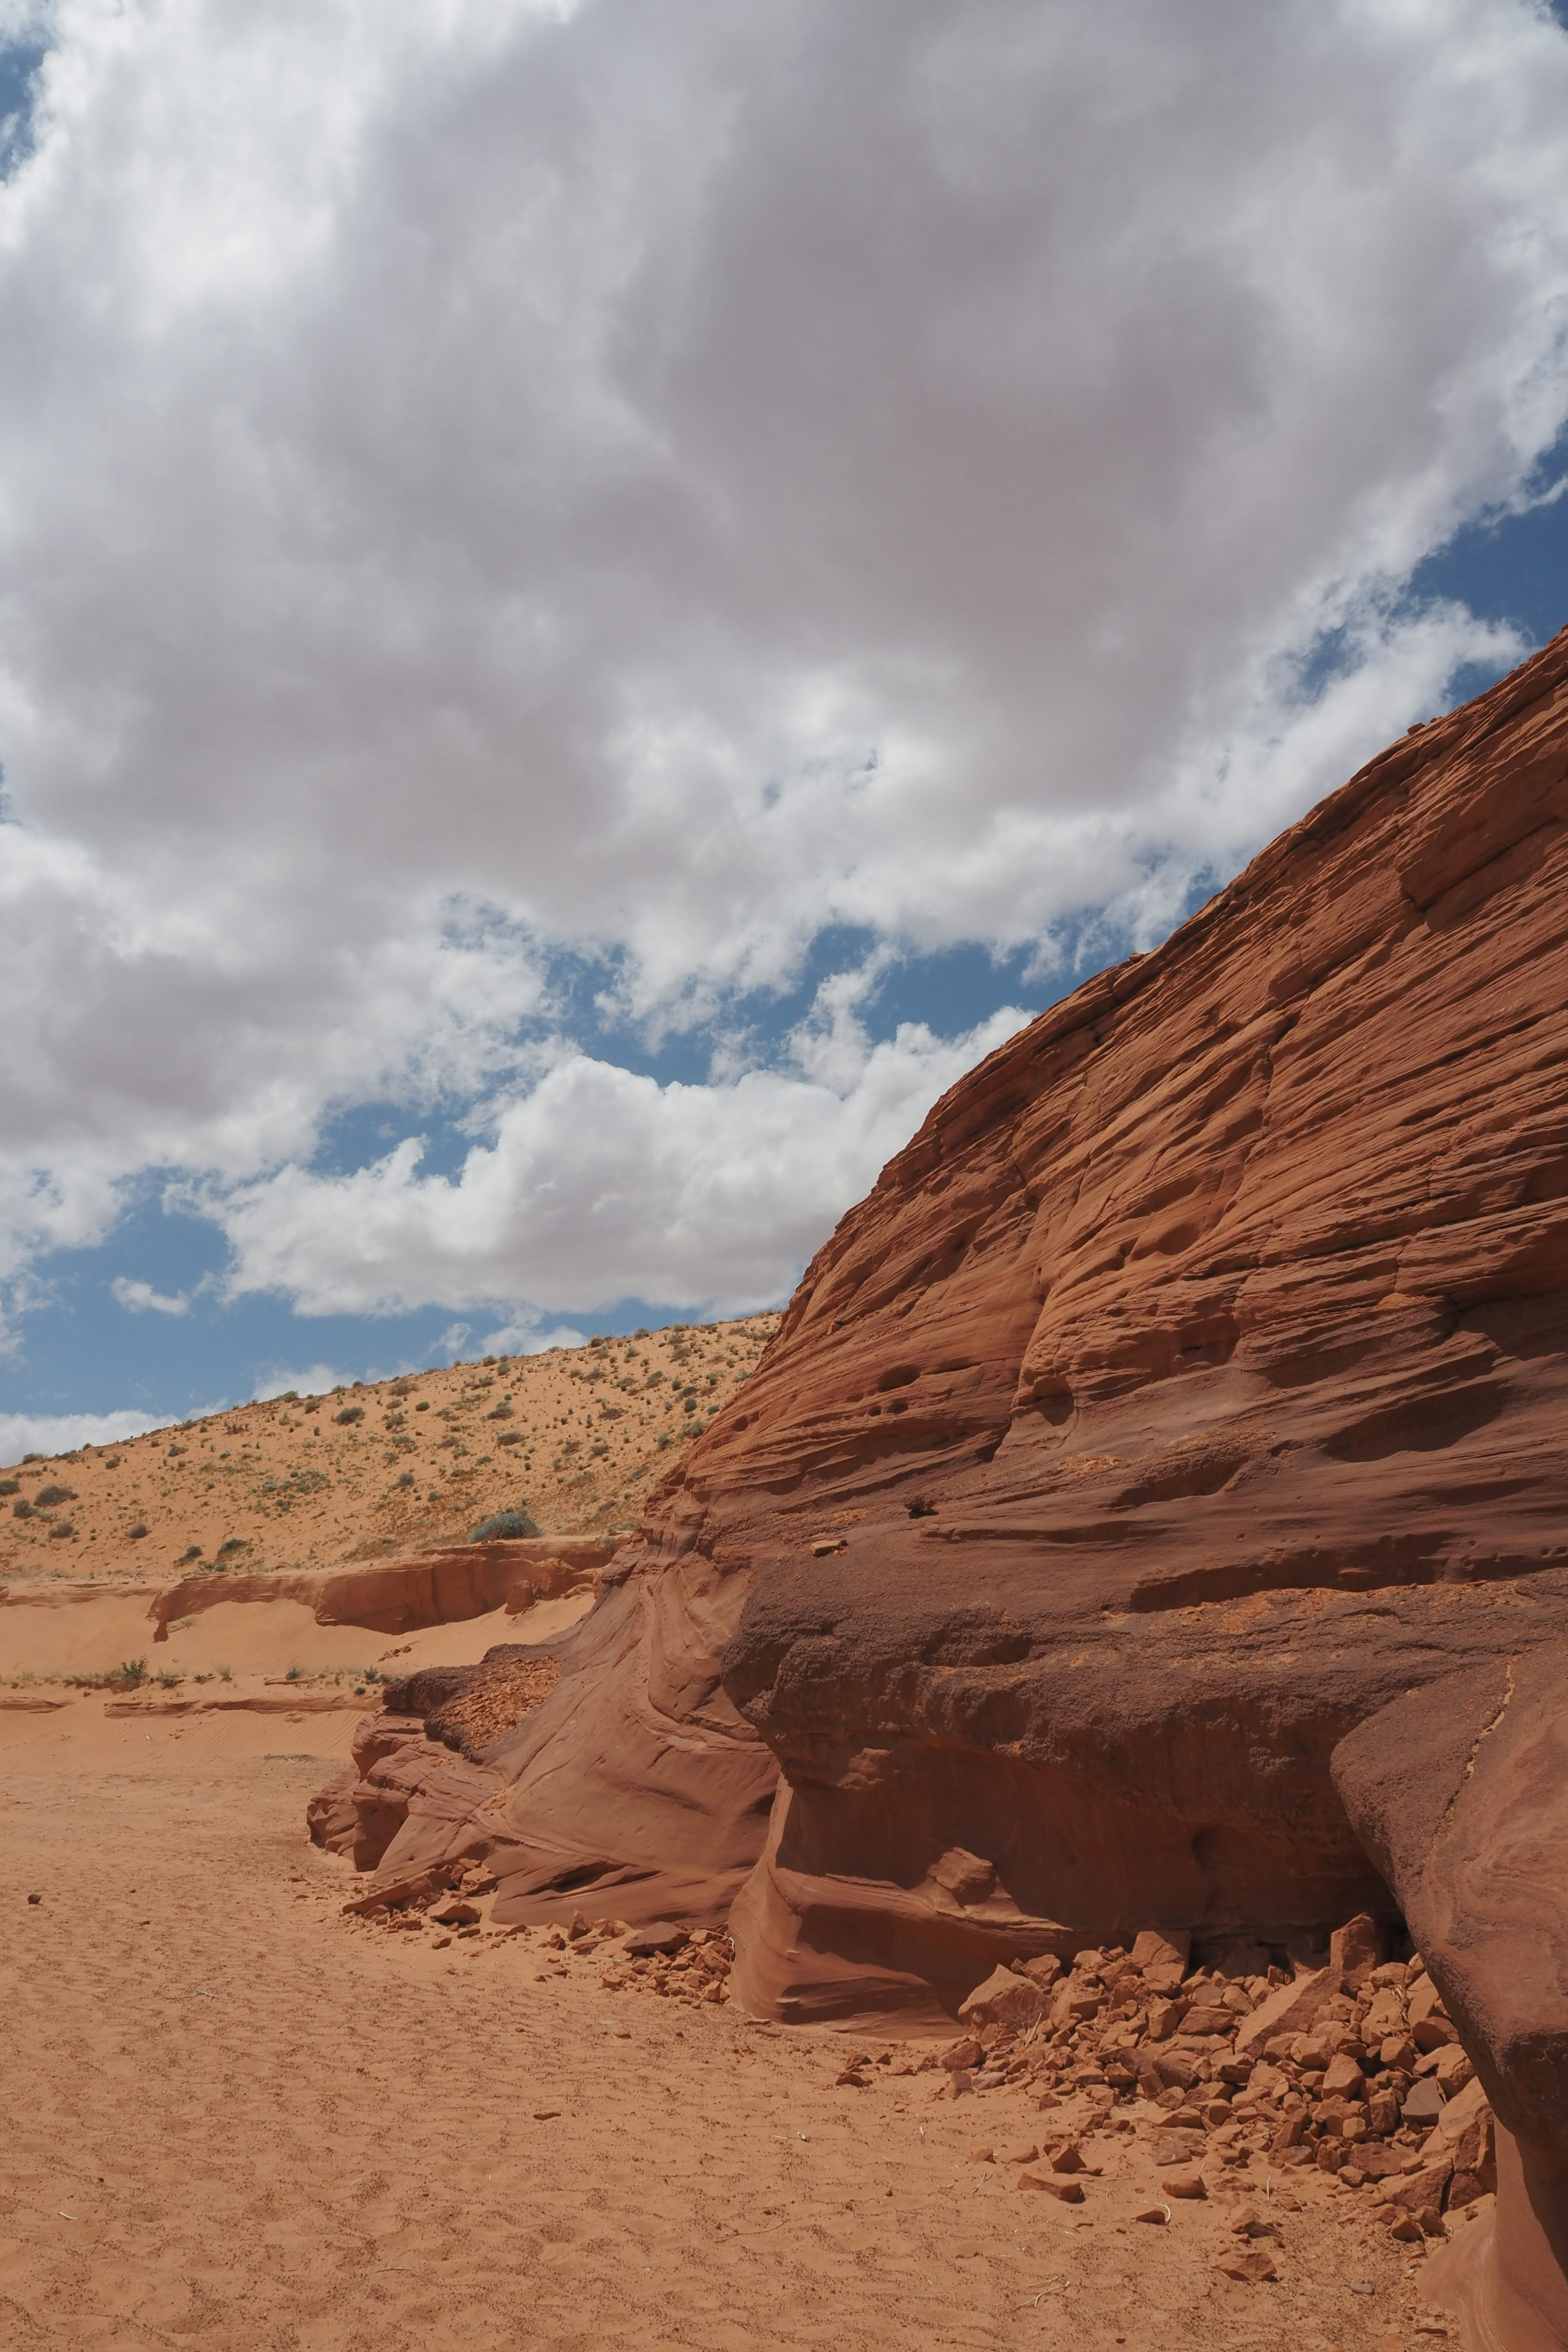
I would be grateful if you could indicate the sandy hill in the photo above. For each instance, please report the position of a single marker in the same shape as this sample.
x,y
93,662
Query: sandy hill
x,y
574,1437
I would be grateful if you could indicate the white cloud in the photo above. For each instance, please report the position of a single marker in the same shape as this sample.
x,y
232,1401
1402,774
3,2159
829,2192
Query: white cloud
x,y
600,1184
523,1334
138,1298
482,477
318,1379
49,1433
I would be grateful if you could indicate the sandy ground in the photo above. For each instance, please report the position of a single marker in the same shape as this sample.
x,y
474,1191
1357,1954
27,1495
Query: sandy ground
x,y
236,2118
577,1437
50,1631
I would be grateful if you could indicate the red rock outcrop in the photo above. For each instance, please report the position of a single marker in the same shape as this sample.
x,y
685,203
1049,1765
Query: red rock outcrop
x,y
1157,1486
399,1596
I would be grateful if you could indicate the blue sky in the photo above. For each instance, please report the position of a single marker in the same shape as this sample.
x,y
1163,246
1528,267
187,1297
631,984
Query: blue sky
x,y
588,612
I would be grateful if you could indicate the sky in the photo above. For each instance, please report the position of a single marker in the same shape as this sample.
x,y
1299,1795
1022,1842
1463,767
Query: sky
x,y
596,600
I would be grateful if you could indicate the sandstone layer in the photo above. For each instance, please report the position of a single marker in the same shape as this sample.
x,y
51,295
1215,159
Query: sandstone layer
x,y
1154,1510
398,1596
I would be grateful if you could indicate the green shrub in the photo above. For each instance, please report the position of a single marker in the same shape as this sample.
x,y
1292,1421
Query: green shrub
x,y
503,1526
350,1412
131,1670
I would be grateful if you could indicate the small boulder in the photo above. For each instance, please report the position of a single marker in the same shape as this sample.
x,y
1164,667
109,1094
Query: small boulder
x,y
1185,2181
1251,2265
1356,1949
1416,2192
1249,2220
1161,1947
1067,2191
1453,2071
1425,2103
456,1914
1290,2009
658,1936
1342,2079
1004,2000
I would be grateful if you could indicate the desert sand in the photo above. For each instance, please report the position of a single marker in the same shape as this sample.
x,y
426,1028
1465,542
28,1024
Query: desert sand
x,y
238,2117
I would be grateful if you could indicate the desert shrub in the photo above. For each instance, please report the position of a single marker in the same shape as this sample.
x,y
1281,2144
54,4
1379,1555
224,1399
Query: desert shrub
x,y
47,1496
350,1412
131,1670
10,1486
192,1551
62,1527
33,1457
504,1525
22,1510
232,1545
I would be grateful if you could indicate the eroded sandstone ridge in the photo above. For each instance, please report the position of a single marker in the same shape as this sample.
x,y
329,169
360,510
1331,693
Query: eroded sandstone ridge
x,y
1154,1509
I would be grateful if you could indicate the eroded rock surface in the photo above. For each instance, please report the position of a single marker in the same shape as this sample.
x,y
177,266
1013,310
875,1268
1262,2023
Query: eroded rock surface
x,y
1184,1405
399,1596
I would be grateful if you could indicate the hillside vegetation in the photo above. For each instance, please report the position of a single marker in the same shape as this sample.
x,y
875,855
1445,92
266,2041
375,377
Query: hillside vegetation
x,y
573,1437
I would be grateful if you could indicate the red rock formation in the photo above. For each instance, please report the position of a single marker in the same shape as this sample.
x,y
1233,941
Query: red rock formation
x,y
1182,1409
634,1784
399,1596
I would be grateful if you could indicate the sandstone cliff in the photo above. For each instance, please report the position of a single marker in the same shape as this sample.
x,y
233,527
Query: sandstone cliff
x,y
1154,1510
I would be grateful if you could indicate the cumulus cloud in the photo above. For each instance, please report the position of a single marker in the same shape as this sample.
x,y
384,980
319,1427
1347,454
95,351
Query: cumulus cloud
x,y
495,479
317,1379
600,1183
49,1433
140,1298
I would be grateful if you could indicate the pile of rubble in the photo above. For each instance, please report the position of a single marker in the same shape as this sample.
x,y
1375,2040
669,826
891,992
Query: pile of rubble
x,y
1353,2067
1230,2073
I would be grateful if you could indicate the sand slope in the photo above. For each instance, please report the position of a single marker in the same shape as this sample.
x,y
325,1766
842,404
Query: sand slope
x,y
577,1437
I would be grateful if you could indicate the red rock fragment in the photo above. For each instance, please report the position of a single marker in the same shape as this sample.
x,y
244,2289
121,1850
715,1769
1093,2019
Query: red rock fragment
x,y
1251,2265
1067,2192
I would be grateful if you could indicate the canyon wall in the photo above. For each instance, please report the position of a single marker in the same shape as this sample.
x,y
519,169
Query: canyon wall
x,y
1156,1494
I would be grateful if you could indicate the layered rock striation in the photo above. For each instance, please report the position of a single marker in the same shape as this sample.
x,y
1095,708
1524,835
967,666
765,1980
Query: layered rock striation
x,y
1154,1505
